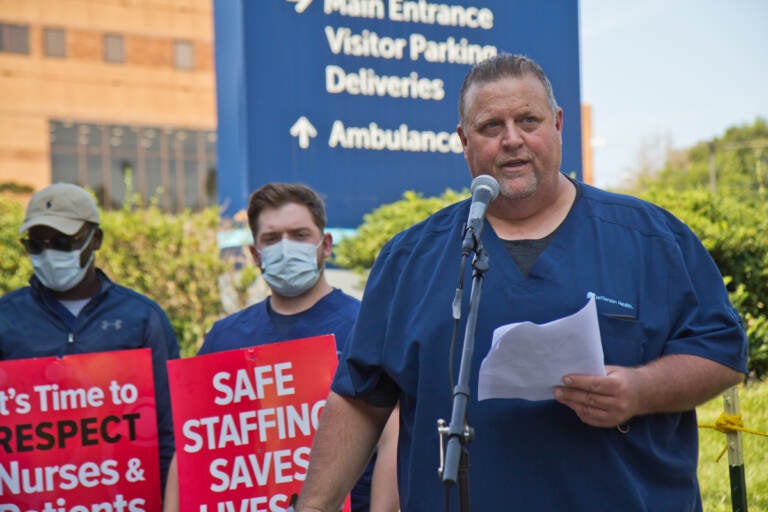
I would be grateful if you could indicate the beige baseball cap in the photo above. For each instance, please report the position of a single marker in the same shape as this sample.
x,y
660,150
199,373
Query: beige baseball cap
x,y
62,206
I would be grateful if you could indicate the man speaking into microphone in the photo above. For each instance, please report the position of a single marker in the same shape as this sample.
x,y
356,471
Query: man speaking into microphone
x,y
623,440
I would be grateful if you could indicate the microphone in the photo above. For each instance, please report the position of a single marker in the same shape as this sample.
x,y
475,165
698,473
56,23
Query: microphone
x,y
484,190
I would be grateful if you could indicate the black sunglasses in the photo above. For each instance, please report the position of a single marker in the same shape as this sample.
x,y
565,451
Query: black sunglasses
x,y
61,242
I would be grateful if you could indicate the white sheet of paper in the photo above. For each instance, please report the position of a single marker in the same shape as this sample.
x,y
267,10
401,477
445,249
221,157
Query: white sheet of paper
x,y
528,360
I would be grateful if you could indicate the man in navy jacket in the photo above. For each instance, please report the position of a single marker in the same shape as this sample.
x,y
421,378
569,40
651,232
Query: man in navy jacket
x,y
72,307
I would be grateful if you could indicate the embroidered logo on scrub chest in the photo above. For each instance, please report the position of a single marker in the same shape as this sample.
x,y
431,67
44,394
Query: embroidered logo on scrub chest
x,y
627,308
111,324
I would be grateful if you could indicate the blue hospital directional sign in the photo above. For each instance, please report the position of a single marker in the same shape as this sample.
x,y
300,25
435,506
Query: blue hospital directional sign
x,y
358,99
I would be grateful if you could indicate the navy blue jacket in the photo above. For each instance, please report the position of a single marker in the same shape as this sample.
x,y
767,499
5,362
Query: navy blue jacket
x,y
34,324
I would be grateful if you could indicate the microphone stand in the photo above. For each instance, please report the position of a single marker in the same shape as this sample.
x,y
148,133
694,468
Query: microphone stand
x,y
454,465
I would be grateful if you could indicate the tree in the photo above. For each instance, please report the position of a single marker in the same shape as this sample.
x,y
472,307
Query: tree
x,y
359,251
735,163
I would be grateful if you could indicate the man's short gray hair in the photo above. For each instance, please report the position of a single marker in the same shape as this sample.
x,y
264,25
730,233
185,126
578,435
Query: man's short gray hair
x,y
503,65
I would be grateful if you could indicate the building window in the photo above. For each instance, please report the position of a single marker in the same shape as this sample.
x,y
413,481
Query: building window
x,y
172,167
14,38
183,55
113,48
55,42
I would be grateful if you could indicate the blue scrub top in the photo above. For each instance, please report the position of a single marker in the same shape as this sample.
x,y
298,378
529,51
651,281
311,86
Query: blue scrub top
x,y
258,324
658,293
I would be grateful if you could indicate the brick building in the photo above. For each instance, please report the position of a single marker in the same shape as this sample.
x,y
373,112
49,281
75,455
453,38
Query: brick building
x,y
110,94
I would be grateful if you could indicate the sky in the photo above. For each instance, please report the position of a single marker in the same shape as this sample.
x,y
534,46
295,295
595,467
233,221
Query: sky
x,y
669,73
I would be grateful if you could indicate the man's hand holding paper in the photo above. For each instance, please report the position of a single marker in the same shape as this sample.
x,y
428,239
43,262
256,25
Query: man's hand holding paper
x,y
528,360
601,401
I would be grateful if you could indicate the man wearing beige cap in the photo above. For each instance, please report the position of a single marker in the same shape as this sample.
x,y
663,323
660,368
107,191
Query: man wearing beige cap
x,y
72,307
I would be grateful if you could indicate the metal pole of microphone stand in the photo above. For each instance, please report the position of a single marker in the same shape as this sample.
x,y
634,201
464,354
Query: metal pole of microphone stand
x,y
459,432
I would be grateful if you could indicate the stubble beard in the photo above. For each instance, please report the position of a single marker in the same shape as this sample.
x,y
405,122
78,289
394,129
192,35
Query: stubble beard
x,y
519,188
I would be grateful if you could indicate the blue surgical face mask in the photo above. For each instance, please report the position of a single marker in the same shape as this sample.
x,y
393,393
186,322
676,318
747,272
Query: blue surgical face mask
x,y
290,267
60,270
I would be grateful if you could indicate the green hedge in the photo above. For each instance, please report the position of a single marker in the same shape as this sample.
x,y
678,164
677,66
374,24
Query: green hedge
x,y
359,251
15,267
171,258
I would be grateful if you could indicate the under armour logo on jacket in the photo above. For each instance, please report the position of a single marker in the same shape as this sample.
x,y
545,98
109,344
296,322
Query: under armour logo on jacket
x,y
114,324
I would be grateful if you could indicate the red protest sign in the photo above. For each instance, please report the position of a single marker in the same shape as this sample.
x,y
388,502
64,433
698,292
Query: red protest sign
x,y
244,422
79,433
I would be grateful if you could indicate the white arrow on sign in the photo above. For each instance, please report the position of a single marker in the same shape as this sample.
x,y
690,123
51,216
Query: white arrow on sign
x,y
301,5
303,129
